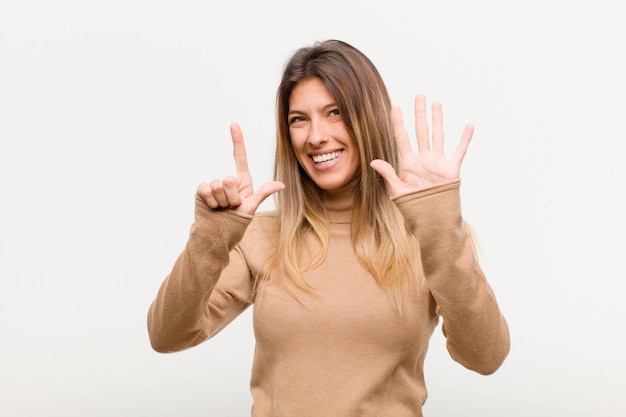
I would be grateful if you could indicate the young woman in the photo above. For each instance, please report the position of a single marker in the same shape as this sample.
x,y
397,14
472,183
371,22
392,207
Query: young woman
x,y
348,278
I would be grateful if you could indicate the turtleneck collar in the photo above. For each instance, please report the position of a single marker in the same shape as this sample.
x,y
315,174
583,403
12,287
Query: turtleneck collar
x,y
339,206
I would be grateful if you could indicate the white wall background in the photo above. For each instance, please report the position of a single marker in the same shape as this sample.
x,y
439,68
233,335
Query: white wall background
x,y
112,112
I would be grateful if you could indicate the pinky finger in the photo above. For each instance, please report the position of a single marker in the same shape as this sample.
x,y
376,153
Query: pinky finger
x,y
461,148
204,192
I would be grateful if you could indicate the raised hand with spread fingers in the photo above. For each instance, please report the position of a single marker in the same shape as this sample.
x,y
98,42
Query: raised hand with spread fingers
x,y
428,166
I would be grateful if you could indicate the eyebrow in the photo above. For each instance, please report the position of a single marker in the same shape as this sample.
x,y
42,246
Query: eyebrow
x,y
324,108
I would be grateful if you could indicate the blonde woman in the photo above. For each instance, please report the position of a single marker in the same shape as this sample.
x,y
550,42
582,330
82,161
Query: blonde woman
x,y
349,276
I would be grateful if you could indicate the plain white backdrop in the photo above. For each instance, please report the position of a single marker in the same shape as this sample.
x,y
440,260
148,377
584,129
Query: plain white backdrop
x,y
112,112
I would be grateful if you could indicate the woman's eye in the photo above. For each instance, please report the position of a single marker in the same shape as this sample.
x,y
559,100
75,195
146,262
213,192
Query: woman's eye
x,y
295,119
334,112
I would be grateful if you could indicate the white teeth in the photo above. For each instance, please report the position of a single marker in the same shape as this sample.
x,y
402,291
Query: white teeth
x,y
325,157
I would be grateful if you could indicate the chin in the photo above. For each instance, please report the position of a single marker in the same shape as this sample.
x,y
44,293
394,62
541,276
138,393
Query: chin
x,y
336,187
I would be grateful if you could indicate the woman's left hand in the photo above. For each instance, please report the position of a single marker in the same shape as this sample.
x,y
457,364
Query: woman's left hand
x,y
428,166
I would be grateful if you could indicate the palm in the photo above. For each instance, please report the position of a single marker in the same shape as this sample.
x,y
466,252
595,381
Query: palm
x,y
424,169
246,191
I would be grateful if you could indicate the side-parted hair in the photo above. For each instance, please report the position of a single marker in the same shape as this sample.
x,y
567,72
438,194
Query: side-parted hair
x,y
382,242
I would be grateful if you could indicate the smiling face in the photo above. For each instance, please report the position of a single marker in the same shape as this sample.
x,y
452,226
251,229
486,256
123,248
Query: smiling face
x,y
320,138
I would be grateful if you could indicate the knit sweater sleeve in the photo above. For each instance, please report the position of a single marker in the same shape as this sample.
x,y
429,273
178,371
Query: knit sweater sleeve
x,y
208,286
477,334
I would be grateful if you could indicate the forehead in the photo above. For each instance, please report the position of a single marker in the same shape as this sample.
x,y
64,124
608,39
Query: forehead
x,y
310,92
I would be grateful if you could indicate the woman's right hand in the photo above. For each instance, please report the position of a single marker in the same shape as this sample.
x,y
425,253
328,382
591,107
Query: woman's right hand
x,y
236,192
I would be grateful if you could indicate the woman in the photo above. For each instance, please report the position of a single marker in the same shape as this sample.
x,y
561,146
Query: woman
x,y
348,278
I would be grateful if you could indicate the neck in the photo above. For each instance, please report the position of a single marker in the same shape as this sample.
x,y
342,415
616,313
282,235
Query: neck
x,y
339,204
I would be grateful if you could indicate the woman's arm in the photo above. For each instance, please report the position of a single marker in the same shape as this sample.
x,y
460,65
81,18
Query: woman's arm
x,y
476,332
207,287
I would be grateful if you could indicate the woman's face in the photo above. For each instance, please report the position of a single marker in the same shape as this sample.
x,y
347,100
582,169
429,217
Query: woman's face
x,y
320,138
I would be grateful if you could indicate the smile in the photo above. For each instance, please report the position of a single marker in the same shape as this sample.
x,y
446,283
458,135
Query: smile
x,y
326,157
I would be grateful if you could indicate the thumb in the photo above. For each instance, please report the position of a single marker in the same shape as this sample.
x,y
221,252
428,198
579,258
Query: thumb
x,y
253,202
387,172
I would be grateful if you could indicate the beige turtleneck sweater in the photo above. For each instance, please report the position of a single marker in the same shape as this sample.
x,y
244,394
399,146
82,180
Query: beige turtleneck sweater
x,y
346,352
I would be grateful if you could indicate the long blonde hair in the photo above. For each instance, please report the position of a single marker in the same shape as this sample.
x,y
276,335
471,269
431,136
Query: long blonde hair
x,y
382,242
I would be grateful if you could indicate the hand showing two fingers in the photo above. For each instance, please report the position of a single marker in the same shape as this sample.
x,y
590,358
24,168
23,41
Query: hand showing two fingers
x,y
428,166
237,193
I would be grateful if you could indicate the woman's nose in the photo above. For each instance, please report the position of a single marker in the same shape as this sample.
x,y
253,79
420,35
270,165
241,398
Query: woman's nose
x,y
318,135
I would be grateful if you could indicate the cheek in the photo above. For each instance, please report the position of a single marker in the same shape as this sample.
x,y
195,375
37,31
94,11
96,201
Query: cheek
x,y
297,141
356,165
297,146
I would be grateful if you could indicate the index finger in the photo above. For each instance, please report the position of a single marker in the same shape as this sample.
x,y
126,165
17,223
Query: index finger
x,y
399,131
239,149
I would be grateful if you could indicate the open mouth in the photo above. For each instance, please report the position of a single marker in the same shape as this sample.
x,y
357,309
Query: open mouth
x,y
326,158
